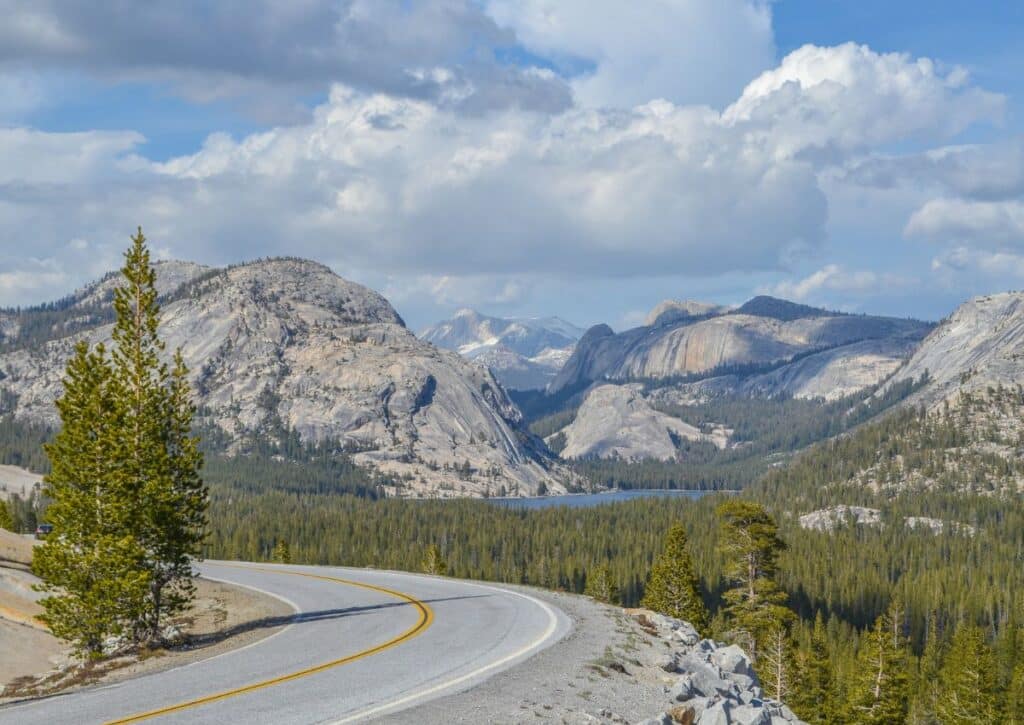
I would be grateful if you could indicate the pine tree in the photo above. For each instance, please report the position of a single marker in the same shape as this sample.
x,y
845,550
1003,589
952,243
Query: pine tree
x,y
968,690
179,520
1008,645
601,585
812,700
776,666
282,553
929,668
129,506
433,561
92,562
672,585
750,545
159,456
6,520
1014,714
880,693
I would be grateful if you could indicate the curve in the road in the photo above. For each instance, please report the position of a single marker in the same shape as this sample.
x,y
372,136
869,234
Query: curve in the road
x,y
455,682
426,618
364,643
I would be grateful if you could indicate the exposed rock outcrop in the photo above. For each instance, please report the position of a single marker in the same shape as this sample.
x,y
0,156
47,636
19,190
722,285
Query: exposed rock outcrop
x,y
829,519
287,343
980,345
171,274
762,333
616,421
716,684
828,375
668,311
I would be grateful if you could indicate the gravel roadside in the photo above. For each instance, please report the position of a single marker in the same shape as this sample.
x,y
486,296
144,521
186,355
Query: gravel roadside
x,y
604,671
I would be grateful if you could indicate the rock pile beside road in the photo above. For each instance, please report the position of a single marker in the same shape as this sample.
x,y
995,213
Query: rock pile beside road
x,y
716,684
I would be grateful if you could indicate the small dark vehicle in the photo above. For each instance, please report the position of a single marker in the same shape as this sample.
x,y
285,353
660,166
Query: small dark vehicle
x,y
43,530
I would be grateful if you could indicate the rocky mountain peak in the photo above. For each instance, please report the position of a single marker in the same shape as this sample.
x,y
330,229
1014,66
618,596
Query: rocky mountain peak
x,y
523,352
597,332
668,312
779,309
288,344
171,274
764,334
301,287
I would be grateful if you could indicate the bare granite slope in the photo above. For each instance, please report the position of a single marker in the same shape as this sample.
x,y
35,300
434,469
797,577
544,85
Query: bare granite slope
x,y
616,421
764,332
980,345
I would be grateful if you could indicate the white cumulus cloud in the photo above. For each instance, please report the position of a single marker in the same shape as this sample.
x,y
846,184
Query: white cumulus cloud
x,y
834,101
685,51
983,223
835,278
420,188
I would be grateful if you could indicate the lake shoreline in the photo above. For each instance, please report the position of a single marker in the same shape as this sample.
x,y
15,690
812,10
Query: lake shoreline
x,y
582,500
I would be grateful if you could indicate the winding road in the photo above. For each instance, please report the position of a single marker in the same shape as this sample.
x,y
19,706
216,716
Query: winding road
x,y
363,644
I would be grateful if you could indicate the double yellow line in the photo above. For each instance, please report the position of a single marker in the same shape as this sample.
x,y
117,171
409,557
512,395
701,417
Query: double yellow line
x,y
426,618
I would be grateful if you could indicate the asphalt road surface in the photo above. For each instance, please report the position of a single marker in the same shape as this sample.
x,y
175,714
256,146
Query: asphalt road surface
x,y
364,644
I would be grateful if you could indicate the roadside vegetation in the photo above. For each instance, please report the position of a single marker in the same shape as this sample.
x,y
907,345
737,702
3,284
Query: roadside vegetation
x,y
124,492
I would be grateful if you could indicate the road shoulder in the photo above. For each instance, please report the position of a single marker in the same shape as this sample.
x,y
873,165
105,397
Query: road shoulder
x,y
604,671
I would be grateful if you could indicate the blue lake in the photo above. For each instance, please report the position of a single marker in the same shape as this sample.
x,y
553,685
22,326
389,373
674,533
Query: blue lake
x,y
581,500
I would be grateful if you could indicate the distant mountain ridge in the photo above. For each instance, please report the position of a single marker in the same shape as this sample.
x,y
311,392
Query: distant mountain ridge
x,y
764,332
286,344
524,353
87,306
617,386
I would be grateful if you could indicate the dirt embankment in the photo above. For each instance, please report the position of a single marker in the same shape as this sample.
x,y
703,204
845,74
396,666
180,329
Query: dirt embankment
x,y
222,617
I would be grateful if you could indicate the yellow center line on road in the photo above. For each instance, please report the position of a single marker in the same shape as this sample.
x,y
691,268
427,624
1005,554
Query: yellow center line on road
x,y
426,618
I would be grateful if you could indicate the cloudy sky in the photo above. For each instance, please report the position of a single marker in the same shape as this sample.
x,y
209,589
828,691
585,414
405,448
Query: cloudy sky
x,y
572,157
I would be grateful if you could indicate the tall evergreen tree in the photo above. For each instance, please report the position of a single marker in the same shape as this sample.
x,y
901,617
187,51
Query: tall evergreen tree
x,y
928,670
433,561
601,584
776,664
750,545
880,692
129,506
969,687
6,520
160,457
672,584
282,552
1008,645
813,699
92,562
1014,713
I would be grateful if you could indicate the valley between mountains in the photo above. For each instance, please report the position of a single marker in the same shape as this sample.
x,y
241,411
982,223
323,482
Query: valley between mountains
x,y
286,348
887,453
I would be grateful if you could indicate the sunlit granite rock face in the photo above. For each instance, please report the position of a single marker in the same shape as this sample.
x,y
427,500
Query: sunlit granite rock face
x,y
288,343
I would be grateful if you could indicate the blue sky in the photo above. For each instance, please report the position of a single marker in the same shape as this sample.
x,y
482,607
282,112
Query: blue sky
x,y
525,156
